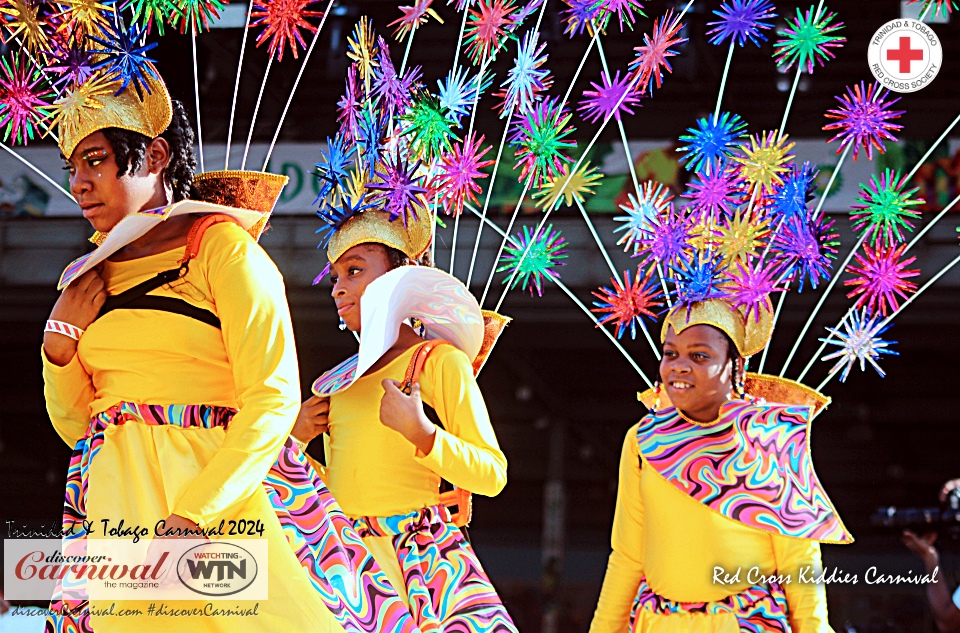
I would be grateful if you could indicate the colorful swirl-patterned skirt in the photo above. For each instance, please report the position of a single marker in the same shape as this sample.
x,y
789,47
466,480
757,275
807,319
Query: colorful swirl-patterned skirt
x,y
445,586
760,608
133,463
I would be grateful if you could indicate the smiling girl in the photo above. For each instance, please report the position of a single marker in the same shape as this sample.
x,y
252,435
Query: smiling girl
x,y
715,482
385,457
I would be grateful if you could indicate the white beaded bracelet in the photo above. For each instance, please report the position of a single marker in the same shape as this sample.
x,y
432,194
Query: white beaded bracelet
x,y
66,329
301,445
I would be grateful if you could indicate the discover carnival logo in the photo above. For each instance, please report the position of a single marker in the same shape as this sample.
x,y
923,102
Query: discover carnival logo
x,y
150,569
905,55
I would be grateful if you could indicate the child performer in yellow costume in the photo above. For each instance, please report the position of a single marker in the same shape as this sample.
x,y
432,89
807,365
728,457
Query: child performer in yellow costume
x,y
169,365
385,458
719,514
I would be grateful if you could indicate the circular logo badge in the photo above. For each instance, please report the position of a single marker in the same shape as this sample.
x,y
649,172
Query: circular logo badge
x,y
216,568
905,55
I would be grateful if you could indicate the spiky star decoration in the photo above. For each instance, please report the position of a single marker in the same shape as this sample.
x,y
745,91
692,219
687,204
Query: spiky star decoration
x,y
282,21
714,140
880,278
624,11
807,248
333,216
458,92
525,11
666,237
799,187
653,56
398,190
652,201
740,236
69,63
84,16
372,139
24,19
24,99
882,211
742,20
541,140
763,159
808,39
458,173
413,17
362,50
568,188
941,7
628,301
859,341
393,92
151,14
698,277
121,57
715,190
334,169
488,27
609,98
543,254
349,109
583,15
528,80
428,126
69,108
863,119
751,284
195,15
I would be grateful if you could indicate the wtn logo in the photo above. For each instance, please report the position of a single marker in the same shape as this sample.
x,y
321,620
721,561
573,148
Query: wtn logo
x,y
224,568
217,568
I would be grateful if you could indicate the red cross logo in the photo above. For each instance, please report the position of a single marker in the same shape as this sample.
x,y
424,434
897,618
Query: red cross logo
x,y
905,54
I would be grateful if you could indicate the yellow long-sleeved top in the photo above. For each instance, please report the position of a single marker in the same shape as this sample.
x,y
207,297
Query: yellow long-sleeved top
x,y
144,473
676,542
374,471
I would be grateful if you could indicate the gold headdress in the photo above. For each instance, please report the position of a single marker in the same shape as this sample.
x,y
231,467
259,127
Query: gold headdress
x,y
750,333
375,226
95,106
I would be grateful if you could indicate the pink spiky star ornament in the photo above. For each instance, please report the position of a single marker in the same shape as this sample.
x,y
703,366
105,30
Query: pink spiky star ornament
x,y
881,278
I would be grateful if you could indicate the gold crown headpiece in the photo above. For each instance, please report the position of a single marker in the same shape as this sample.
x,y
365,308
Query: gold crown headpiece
x,y
95,105
411,237
749,332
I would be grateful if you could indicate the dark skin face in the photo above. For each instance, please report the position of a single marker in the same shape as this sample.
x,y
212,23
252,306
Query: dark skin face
x,y
351,274
696,371
106,199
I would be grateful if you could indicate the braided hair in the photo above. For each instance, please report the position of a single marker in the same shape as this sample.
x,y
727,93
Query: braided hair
x,y
734,355
129,149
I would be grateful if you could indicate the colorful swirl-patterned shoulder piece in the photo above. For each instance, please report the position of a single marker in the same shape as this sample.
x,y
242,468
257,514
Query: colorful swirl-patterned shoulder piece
x,y
71,271
336,379
752,466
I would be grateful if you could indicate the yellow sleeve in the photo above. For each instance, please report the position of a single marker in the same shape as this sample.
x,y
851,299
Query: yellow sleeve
x,y
257,332
807,602
466,453
625,565
69,392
